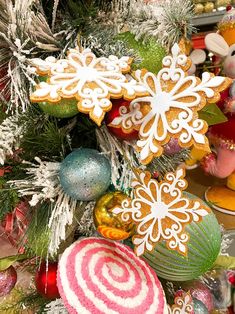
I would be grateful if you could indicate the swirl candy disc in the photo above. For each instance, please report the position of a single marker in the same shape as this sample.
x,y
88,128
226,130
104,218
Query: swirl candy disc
x,y
99,276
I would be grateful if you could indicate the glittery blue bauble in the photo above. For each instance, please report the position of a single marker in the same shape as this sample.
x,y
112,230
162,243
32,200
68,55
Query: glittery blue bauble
x,y
199,307
85,174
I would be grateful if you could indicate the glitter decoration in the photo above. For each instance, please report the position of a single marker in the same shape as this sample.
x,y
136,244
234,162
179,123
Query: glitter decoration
x,y
203,249
199,307
170,109
85,174
161,211
8,278
201,292
101,276
90,80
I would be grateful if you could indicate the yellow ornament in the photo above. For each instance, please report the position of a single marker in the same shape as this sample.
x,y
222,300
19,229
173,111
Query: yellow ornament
x,y
209,7
199,8
108,224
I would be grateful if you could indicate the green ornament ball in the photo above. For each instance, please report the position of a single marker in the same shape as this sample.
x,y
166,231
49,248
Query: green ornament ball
x,y
150,52
203,249
65,108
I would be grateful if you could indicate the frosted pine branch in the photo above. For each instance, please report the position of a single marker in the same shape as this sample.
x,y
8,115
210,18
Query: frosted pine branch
x,y
55,307
122,157
43,184
86,224
24,33
165,20
10,136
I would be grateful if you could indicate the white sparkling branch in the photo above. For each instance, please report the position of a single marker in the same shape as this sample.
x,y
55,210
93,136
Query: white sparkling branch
x,y
122,157
10,135
43,184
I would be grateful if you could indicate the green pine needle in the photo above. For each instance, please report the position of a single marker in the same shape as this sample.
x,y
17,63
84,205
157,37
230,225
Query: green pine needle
x,y
44,139
38,233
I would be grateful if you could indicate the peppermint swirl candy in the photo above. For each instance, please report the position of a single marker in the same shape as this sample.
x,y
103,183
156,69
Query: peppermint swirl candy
x,y
98,276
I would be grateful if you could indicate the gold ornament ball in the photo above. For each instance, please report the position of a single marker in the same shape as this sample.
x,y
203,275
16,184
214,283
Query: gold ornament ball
x,y
109,225
209,7
199,8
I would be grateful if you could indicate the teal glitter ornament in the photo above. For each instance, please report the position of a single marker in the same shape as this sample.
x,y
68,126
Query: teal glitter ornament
x,y
199,307
85,174
203,249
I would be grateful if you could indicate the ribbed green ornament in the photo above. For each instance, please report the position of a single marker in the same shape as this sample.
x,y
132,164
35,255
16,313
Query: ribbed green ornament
x,y
150,52
203,249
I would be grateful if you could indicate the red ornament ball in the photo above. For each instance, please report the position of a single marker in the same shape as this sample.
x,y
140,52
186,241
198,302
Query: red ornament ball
x,y
8,278
46,282
114,113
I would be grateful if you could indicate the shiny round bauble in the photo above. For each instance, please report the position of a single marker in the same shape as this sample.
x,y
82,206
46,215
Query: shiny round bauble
x,y
8,278
172,147
114,113
46,282
203,249
85,174
65,108
108,224
199,307
209,7
150,52
198,8
200,292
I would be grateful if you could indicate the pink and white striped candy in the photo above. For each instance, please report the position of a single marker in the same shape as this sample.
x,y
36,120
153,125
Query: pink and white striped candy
x,y
98,276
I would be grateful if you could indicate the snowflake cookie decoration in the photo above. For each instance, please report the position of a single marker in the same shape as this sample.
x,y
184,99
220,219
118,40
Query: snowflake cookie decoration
x,y
183,304
90,80
171,106
161,211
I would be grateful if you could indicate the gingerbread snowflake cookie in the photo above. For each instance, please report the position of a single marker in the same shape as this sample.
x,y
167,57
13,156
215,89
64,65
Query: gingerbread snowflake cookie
x,y
161,211
182,304
90,80
171,107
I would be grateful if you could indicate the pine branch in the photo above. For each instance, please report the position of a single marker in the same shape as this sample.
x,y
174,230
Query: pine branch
x,y
38,233
44,138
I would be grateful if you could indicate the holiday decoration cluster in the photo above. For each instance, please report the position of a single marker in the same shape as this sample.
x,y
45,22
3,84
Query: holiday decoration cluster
x,y
92,179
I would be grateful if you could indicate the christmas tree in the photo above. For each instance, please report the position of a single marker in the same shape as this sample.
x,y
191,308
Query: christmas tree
x,y
98,115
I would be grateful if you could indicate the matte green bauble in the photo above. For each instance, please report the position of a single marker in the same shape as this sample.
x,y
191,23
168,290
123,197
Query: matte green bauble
x,y
150,52
203,249
66,108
